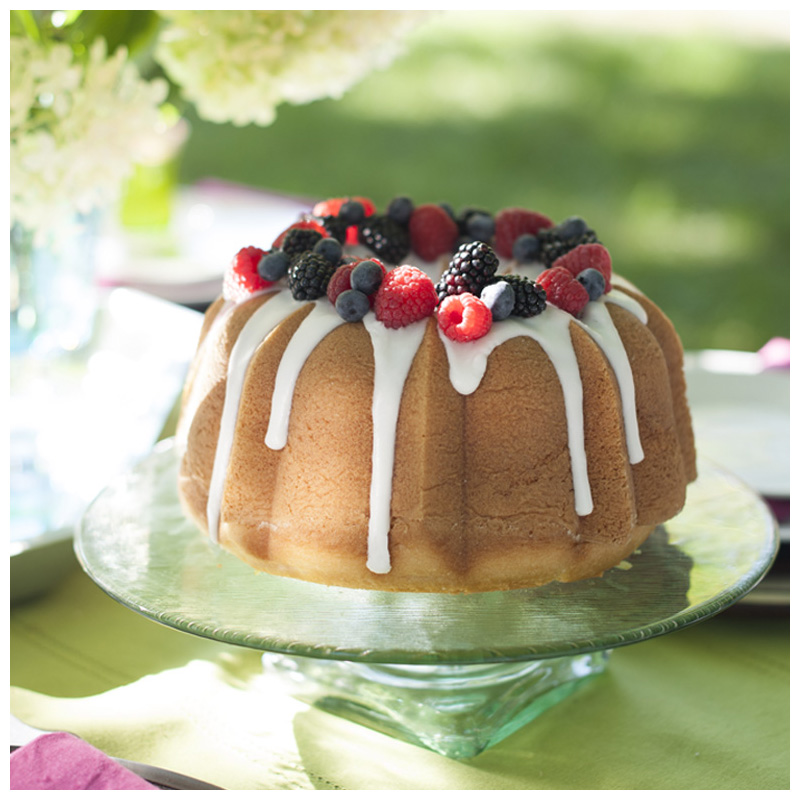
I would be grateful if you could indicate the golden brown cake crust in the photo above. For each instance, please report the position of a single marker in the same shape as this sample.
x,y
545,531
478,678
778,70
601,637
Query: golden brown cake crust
x,y
482,487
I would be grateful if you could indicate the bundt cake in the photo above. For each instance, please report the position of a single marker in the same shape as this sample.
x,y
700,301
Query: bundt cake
x,y
419,400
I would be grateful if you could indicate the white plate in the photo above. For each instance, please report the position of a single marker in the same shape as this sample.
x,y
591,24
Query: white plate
x,y
741,417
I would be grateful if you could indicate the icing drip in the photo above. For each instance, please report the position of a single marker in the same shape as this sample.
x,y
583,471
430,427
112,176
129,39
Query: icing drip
x,y
256,329
628,303
597,322
313,329
551,330
394,352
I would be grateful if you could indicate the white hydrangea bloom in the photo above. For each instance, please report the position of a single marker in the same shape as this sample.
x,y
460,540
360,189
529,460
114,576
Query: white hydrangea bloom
x,y
238,66
75,130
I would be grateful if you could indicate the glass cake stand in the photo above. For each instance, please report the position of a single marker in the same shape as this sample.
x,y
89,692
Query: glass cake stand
x,y
454,673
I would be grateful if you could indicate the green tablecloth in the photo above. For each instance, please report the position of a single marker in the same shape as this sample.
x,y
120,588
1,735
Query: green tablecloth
x,y
704,708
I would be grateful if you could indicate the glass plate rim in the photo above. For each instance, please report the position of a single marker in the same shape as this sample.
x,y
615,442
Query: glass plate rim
x,y
262,642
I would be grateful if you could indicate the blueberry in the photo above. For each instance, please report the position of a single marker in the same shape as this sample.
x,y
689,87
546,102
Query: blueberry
x,y
274,265
330,249
352,212
572,228
526,248
480,226
500,298
593,281
366,277
449,209
352,305
400,210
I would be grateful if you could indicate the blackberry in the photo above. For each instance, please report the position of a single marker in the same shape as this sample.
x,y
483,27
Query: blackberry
x,y
309,276
386,238
299,240
560,239
529,298
336,228
471,268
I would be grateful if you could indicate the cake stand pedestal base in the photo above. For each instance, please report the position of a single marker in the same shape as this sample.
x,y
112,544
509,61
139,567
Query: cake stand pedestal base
x,y
457,710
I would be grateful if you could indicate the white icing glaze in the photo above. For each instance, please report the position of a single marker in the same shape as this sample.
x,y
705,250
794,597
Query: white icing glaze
x,y
256,329
394,353
551,330
628,303
597,322
313,329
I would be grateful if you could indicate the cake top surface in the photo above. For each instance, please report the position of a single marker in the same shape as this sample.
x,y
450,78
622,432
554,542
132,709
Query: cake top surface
x,y
469,269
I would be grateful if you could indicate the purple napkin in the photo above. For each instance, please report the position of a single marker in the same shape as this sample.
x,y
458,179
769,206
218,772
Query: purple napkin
x,y
62,761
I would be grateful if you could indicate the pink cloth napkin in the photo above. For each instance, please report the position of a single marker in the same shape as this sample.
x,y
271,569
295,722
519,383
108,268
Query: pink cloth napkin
x,y
775,353
62,761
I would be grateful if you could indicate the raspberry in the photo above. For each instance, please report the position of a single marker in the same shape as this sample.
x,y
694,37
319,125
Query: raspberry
x,y
511,223
563,290
306,224
241,277
332,207
406,295
587,256
471,268
463,317
433,231
340,280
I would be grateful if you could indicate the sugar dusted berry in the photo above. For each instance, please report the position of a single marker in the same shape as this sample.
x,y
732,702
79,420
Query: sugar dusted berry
x,y
593,281
479,226
329,248
367,276
499,298
352,305
406,295
526,249
511,223
242,278
352,212
563,290
464,317
400,210
433,231
274,265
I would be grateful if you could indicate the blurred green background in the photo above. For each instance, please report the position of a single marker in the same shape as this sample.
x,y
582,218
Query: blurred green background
x,y
675,148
